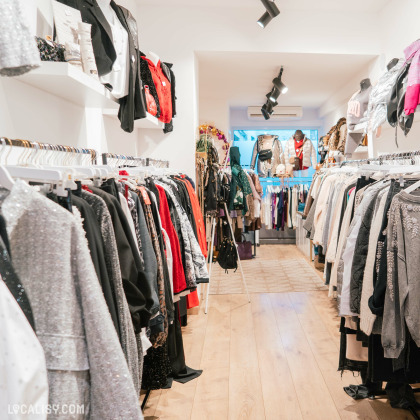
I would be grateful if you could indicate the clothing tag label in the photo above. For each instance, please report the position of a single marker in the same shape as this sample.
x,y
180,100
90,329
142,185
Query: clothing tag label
x,y
401,181
145,196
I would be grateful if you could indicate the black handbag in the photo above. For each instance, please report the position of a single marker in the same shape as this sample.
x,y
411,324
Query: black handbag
x,y
50,51
228,257
224,192
265,155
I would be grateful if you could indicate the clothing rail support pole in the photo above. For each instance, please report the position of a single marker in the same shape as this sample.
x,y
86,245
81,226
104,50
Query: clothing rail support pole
x,y
213,231
146,397
237,252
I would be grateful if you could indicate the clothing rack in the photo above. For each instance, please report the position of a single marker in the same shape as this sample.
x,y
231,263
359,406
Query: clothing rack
x,y
134,160
128,160
35,145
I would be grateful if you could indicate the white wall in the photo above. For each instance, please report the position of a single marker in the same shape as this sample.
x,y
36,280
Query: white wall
x,y
186,30
398,27
239,120
175,34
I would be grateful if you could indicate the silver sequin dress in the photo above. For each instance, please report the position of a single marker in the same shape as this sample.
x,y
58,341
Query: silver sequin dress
x,y
18,50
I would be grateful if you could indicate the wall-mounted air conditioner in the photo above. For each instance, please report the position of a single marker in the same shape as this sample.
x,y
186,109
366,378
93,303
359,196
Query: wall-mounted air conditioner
x,y
279,113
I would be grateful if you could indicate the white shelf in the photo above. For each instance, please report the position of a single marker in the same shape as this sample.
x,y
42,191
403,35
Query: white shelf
x,y
70,83
150,122
359,128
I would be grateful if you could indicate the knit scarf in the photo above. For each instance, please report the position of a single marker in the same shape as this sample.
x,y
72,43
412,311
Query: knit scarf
x,y
412,96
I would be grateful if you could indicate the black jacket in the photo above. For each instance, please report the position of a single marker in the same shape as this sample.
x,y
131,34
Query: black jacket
x,y
136,287
132,106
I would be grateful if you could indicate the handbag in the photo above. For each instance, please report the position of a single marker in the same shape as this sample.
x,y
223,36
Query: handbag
x,y
224,192
228,257
245,249
295,160
265,155
150,102
50,50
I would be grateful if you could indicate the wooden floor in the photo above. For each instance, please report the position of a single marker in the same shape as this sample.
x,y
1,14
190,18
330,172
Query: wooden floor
x,y
273,358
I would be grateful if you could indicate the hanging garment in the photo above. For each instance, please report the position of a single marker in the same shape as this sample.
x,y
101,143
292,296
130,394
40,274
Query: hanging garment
x,y
133,354
93,235
10,278
412,96
195,264
158,324
19,52
378,98
23,373
138,290
401,310
163,90
77,320
179,283
239,188
132,106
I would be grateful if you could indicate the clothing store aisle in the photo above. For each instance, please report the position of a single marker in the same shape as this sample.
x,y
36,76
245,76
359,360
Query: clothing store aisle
x,y
277,269
273,359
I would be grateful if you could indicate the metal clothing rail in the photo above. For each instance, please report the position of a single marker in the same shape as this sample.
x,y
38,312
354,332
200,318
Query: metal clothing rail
x,y
123,159
35,145
134,160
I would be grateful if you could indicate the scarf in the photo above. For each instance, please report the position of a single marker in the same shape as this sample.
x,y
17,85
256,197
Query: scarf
x,y
412,96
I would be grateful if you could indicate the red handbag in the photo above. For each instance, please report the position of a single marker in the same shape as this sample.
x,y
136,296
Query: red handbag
x,y
150,102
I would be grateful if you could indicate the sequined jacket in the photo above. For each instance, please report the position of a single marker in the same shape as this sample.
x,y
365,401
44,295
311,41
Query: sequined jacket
x,y
84,359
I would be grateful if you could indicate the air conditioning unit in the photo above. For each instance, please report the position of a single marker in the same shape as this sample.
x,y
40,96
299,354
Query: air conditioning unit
x,y
279,113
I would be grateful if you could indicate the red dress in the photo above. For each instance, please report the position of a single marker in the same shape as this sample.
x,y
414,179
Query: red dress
x,y
180,283
163,90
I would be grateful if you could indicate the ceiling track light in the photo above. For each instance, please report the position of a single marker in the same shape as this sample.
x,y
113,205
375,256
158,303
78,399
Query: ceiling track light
x,y
272,96
271,12
279,84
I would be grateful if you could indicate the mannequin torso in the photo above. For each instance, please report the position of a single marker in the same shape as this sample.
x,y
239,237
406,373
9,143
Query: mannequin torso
x,y
392,63
365,84
154,58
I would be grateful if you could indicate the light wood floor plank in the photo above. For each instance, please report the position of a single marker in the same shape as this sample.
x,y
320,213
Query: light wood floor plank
x,y
273,359
280,398
245,393
212,394
315,400
325,351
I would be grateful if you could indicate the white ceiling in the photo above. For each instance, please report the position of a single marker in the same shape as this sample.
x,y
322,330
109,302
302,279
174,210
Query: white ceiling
x,y
243,78
319,5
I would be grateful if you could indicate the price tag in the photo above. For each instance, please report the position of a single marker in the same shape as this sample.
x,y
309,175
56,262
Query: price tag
x,y
145,196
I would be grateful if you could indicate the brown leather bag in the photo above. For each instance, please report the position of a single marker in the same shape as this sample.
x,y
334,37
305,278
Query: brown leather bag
x,y
295,160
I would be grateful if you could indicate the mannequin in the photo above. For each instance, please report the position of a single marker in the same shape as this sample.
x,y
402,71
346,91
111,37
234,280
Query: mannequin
x,y
266,143
299,145
392,63
365,84
356,114
154,58
118,78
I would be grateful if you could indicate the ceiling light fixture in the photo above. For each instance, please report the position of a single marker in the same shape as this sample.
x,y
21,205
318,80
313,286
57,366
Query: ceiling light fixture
x,y
279,84
271,12
273,95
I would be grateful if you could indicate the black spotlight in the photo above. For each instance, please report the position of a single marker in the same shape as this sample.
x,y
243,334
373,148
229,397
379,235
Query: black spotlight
x,y
279,84
273,95
264,20
271,12
267,109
